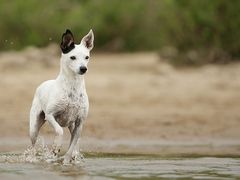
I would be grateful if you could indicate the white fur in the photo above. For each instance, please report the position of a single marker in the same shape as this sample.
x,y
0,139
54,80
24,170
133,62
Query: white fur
x,y
65,96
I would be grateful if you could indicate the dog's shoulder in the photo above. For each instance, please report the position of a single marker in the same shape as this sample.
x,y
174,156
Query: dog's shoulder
x,y
46,88
46,85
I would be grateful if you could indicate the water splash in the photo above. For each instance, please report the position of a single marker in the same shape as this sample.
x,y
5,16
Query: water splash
x,y
40,153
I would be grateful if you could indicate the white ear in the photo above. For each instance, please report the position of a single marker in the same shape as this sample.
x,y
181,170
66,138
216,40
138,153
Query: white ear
x,y
87,40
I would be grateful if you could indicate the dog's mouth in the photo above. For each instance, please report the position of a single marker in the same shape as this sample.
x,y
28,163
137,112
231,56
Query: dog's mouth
x,y
81,73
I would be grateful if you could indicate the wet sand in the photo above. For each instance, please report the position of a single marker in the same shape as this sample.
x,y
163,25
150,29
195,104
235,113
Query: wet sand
x,y
138,103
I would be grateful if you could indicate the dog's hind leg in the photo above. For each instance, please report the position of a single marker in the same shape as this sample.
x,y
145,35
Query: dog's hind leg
x,y
37,119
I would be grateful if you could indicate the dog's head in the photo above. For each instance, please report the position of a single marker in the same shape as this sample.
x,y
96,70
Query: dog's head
x,y
75,57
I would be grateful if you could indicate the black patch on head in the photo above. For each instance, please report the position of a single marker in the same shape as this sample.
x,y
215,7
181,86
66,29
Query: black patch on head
x,y
67,43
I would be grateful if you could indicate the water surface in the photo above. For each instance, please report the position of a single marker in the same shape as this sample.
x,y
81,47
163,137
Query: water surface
x,y
119,166
39,163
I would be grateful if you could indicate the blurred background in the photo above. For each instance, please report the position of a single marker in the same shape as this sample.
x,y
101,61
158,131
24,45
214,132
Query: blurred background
x,y
210,28
161,72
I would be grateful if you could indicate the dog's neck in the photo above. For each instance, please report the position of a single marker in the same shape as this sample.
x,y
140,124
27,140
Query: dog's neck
x,y
70,81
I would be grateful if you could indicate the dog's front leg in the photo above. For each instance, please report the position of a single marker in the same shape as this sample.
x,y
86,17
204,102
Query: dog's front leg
x,y
75,134
59,133
76,150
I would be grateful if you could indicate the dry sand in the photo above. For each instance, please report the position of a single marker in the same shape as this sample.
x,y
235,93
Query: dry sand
x,y
133,97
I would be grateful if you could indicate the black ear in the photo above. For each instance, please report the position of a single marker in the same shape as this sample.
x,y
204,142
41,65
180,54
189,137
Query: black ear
x,y
67,43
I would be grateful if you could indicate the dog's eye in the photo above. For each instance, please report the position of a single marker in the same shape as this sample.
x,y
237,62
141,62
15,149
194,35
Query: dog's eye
x,y
73,57
87,57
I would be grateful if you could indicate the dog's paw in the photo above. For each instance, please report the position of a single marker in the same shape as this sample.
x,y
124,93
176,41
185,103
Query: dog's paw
x,y
67,160
77,158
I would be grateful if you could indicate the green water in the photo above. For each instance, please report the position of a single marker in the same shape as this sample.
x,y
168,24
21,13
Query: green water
x,y
118,166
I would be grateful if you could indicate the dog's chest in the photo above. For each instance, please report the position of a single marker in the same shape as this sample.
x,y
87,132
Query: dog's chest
x,y
72,106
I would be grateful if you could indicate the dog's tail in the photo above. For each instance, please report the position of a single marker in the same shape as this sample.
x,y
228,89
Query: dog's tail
x,y
37,119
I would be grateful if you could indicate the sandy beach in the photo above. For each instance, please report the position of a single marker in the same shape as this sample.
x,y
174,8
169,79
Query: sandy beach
x,y
134,97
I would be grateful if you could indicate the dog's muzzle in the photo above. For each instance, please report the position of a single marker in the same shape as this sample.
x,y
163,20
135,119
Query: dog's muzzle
x,y
82,70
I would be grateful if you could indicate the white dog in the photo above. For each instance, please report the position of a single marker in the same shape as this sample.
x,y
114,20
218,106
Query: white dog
x,y
63,102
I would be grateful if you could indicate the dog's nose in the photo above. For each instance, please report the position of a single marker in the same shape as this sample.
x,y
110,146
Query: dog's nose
x,y
83,69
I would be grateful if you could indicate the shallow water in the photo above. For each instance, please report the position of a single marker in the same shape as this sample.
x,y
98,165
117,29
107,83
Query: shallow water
x,y
39,163
109,166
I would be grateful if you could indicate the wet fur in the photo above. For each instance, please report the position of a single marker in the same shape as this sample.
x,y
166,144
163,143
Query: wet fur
x,y
63,102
